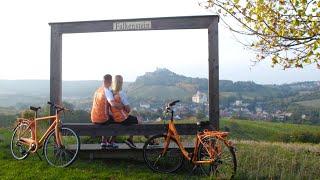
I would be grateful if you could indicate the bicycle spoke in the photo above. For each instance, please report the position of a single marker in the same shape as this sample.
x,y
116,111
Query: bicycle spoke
x,y
61,156
155,162
18,149
223,165
158,161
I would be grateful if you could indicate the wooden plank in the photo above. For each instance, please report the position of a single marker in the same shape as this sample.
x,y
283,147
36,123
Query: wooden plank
x,y
123,146
94,151
163,23
55,67
88,129
132,154
213,45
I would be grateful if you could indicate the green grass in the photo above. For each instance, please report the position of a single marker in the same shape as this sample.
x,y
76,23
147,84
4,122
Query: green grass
x,y
271,131
266,131
266,160
81,169
310,103
259,157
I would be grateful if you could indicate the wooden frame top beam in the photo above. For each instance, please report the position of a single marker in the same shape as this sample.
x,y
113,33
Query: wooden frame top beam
x,y
162,23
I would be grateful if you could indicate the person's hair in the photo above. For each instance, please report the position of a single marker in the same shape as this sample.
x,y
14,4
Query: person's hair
x,y
107,77
117,83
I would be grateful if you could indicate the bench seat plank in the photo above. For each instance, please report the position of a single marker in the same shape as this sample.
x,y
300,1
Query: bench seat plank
x,y
89,129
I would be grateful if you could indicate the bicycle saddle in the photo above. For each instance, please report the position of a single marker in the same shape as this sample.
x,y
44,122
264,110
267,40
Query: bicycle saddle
x,y
34,108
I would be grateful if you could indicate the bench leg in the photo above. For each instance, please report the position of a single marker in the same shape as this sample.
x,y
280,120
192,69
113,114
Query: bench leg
x,y
91,156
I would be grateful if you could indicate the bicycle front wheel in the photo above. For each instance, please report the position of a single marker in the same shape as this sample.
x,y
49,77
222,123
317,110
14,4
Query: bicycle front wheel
x,y
158,160
224,165
64,154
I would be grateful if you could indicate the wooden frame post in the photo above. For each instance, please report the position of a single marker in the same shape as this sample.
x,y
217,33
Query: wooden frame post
x,y
143,24
55,67
213,64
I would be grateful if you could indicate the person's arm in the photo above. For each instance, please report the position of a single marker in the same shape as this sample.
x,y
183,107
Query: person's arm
x,y
125,101
111,101
124,98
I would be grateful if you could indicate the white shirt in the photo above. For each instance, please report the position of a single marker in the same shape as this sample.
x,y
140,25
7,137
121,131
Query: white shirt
x,y
109,96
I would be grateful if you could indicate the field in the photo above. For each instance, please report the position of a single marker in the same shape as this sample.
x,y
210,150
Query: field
x,y
259,157
270,131
267,131
310,103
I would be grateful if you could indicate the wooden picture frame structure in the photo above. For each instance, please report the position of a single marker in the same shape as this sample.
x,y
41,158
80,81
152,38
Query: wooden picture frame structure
x,y
209,22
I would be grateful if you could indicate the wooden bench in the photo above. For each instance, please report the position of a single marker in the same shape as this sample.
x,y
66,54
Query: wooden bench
x,y
94,151
89,129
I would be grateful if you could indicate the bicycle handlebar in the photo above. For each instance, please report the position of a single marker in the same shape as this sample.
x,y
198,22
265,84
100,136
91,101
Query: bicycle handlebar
x,y
60,108
173,103
169,105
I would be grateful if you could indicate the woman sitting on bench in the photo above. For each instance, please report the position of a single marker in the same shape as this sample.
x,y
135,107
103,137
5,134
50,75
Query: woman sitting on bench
x,y
120,115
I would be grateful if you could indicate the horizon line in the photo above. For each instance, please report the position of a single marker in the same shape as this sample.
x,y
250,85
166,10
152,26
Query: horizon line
x,y
134,81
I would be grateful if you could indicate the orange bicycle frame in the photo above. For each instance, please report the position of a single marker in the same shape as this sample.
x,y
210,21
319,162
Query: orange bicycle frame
x,y
32,124
172,133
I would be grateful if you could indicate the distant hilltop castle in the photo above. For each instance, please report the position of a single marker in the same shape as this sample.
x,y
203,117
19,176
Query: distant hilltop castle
x,y
200,98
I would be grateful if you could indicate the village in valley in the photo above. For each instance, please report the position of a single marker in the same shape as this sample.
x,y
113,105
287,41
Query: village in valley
x,y
199,106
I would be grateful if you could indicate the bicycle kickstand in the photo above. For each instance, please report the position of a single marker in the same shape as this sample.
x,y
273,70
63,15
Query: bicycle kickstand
x,y
39,156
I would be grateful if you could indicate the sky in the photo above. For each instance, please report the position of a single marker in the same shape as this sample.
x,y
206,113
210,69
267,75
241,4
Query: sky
x,y
25,44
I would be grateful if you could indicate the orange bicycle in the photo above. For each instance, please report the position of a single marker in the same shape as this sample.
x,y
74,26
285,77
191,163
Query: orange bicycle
x,y
213,153
60,145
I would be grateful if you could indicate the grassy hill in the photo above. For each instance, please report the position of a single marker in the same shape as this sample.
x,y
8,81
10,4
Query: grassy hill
x,y
164,84
36,92
271,131
263,159
267,131
157,93
160,85
310,103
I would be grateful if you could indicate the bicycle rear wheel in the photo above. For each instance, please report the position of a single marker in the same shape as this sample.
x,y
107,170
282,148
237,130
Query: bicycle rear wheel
x,y
224,165
65,155
19,150
169,162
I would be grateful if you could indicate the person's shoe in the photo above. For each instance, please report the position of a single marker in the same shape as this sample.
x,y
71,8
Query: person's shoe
x,y
103,145
130,144
112,145
154,143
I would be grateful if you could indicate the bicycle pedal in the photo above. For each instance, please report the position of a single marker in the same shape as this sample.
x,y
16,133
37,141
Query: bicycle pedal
x,y
191,156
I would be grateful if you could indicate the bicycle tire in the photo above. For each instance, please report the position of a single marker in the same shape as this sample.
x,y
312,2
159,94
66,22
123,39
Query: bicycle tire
x,y
170,165
215,167
59,150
